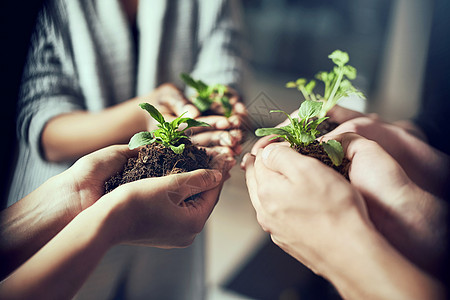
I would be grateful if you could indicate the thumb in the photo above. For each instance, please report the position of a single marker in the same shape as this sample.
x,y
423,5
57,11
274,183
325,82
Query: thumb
x,y
285,160
182,186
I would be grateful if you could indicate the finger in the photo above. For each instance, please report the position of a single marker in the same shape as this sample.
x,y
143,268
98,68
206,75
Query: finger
x,y
198,211
182,186
240,109
217,138
215,122
175,101
283,159
222,158
111,159
248,163
340,114
266,178
264,142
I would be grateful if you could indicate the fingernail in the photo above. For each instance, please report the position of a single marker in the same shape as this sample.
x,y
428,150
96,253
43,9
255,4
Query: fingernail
x,y
266,151
245,158
225,140
222,124
217,175
191,111
235,133
235,121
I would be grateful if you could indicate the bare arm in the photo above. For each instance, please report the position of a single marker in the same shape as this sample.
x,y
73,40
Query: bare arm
x,y
70,136
142,212
30,223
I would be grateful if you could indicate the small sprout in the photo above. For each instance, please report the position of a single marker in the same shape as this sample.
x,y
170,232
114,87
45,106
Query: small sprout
x,y
302,131
208,94
336,84
167,133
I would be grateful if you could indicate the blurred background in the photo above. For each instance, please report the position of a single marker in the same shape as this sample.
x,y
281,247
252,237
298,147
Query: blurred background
x,y
387,42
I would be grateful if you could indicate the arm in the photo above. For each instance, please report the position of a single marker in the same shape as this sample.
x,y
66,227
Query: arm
x,y
149,212
325,225
30,223
69,136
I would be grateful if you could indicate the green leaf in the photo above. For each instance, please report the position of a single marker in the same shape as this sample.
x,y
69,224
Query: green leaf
x,y
203,104
335,151
194,123
291,84
141,139
178,149
300,81
350,72
225,101
176,122
196,84
307,138
269,131
153,112
220,89
309,109
339,57
310,86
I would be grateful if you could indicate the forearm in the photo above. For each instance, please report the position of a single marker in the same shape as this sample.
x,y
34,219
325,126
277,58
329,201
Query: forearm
x,y
370,268
70,136
416,226
30,223
59,269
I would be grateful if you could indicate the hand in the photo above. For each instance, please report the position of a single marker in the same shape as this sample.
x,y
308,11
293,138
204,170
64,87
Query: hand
x,y
411,219
305,206
153,211
171,102
84,182
426,166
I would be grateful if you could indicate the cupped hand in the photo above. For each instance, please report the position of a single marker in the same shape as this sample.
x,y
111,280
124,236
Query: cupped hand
x,y
411,219
307,207
171,102
85,180
154,211
426,166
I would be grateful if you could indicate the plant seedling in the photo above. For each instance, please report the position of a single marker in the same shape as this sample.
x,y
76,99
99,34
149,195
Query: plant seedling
x,y
208,94
167,133
337,83
302,131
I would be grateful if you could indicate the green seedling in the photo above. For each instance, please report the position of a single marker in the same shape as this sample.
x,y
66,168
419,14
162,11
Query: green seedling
x,y
302,131
337,83
208,94
167,134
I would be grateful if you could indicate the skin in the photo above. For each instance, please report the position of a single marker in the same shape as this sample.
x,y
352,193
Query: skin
x,y
415,227
426,166
334,215
69,136
73,224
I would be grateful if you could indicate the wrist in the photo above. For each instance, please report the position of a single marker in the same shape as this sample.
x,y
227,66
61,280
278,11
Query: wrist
x,y
113,217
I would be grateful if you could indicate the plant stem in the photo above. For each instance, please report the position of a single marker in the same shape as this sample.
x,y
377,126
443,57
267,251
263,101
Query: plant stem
x,y
329,101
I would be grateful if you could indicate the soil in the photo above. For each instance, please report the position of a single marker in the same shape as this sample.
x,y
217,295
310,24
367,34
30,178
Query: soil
x,y
156,160
316,150
327,126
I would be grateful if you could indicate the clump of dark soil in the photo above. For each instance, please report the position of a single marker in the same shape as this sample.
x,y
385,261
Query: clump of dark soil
x,y
316,150
156,160
327,126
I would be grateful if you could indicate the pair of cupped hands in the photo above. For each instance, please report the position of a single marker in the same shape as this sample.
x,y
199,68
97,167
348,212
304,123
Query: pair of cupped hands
x,y
316,215
153,211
